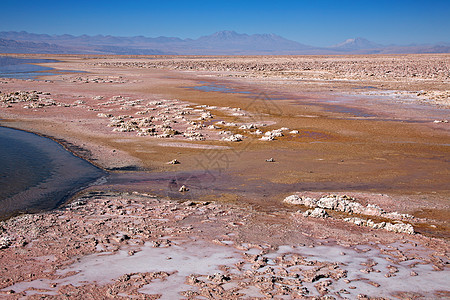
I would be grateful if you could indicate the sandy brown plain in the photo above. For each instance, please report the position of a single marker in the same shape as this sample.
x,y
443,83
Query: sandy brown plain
x,y
372,127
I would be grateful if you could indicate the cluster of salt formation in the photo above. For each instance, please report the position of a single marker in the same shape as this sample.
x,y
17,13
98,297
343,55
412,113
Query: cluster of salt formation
x,y
32,99
161,118
169,118
384,69
347,205
316,213
396,227
96,79
166,115
399,68
273,134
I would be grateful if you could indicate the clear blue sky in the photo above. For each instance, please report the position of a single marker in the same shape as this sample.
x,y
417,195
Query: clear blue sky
x,y
312,22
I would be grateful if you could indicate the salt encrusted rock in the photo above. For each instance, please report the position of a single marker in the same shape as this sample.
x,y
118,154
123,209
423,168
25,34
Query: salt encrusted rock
x,y
294,199
344,204
270,160
233,138
274,133
397,227
5,242
248,126
173,162
32,98
219,278
193,280
316,213
294,132
400,227
183,188
103,115
397,216
225,132
328,202
194,136
206,115
267,138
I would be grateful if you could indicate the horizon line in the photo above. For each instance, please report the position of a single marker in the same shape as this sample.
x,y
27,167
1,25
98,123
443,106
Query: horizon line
x,y
437,43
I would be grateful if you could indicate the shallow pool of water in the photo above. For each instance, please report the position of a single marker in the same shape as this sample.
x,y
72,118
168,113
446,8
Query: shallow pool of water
x,y
37,173
213,87
21,68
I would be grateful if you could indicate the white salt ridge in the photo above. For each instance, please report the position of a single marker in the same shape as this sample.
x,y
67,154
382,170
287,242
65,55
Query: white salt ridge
x,y
347,205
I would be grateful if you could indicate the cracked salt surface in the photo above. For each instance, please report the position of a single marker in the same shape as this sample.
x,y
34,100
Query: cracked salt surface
x,y
184,258
427,281
194,258
190,258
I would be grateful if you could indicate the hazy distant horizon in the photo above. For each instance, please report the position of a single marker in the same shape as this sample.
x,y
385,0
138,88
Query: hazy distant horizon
x,y
319,23
224,30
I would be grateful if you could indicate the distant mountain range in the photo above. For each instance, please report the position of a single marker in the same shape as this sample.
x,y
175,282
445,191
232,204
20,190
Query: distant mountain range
x,y
219,43
356,44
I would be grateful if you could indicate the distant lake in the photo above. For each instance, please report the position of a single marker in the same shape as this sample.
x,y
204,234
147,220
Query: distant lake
x,y
37,173
23,68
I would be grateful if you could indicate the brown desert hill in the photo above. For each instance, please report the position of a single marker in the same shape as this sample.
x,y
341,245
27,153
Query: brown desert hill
x,y
29,47
13,46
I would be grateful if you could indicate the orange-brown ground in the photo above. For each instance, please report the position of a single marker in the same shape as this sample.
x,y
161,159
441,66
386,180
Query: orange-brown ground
x,y
368,135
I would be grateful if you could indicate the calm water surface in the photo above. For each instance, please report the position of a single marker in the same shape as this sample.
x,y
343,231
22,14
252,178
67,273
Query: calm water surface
x,y
20,68
212,87
24,68
37,173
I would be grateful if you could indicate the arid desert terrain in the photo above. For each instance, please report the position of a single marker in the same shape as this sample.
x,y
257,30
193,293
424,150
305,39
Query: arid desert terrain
x,y
244,177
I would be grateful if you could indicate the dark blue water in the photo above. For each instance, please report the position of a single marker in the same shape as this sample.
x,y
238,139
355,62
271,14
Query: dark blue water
x,y
37,173
24,68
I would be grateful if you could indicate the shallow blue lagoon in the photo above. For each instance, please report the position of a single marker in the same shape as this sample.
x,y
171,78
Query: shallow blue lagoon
x,y
37,173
